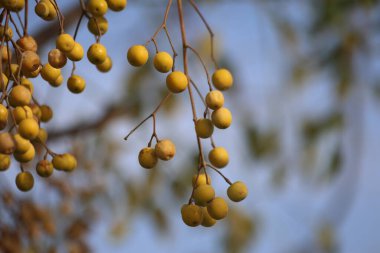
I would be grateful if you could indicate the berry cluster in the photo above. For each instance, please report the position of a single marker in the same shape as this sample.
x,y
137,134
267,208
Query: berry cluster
x,y
204,208
21,115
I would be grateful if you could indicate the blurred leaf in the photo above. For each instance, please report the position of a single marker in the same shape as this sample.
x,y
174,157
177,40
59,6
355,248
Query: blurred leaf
x,y
262,144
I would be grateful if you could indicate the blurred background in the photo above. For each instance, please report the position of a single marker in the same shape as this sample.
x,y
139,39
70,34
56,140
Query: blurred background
x,y
304,137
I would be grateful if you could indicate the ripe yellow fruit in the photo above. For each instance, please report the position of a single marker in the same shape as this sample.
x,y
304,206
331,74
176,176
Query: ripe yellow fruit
x,y
5,162
192,215
14,5
203,194
221,118
176,81
165,150
217,208
19,96
49,73
24,181
65,162
12,71
27,84
222,79
42,136
137,55
207,221
218,157
65,42
28,128
46,113
204,128
163,62
46,10
97,24
57,59
201,179
105,66
117,5
57,82
97,53
22,145
22,112
30,62
97,7
44,168
5,55
4,83
33,74
76,84
26,156
3,116
148,158
214,99
237,191
7,143
36,111
77,53
8,33
27,43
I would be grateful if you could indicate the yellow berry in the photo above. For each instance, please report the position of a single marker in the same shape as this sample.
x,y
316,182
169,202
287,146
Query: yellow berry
x,y
33,74
97,24
163,62
97,7
117,5
222,79
22,112
28,128
77,53
57,59
49,73
27,84
105,66
65,162
3,116
218,157
237,191
42,136
214,99
176,81
4,82
148,158
76,84
5,162
12,71
221,118
46,10
44,168
201,179
207,221
65,42
5,54
57,82
14,5
192,215
7,143
22,145
46,113
165,150
8,33
217,208
24,181
27,43
36,111
137,55
204,128
97,53
26,156
19,96
203,194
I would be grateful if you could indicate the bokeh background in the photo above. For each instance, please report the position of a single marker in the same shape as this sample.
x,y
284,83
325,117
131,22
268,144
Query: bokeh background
x,y
305,136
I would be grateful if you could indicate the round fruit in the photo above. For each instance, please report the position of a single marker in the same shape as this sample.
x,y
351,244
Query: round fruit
x,y
27,156
177,81
148,158
222,79
105,66
22,145
165,150
237,191
76,84
4,83
65,162
221,118
57,59
33,74
137,55
218,157
203,194
36,111
42,136
214,99
5,162
19,96
14,5
28,128
30,62
207,221
7,143
192,215
65,42
97,24
204,128
163,62
97,53
24,181
5,55
77,53
27,43
3,116
97,7
49,73
7,32
46,113
46,10
22,112
117,5
201,179
217,208
44,168
27,84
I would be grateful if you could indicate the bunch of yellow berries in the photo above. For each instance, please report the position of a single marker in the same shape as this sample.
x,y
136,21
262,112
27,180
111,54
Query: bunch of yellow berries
x,y
21,116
